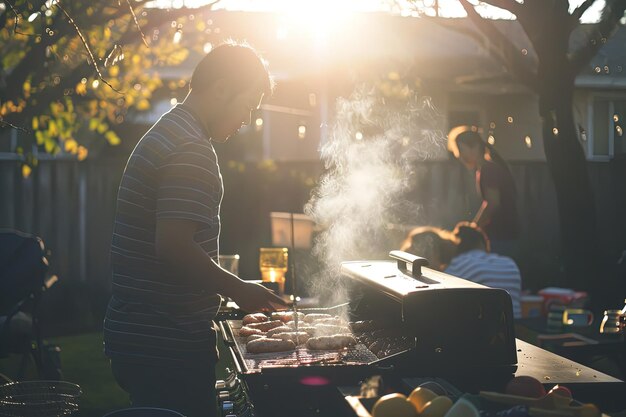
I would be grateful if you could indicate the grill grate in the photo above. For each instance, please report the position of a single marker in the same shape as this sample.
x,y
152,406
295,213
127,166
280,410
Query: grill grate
x,y
356,355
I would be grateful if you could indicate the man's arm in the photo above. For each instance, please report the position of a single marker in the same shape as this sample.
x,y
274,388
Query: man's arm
x,y
491,203
175,246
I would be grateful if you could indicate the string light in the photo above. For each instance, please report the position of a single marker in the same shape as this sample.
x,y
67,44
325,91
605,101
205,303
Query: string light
x,y
528,141
178,36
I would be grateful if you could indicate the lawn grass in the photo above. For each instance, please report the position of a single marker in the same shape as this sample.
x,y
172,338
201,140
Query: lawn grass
x,y
83,362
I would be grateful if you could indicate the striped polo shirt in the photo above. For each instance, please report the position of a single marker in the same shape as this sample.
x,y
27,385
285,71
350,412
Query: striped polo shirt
x,y
491,270
153,316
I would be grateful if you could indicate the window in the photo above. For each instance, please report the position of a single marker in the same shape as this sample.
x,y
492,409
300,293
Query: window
x,y
607,121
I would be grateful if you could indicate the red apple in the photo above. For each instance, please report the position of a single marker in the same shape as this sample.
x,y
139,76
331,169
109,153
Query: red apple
x,y
525,386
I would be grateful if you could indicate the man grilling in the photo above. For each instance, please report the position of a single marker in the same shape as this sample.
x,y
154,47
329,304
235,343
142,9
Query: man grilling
x,y
167,284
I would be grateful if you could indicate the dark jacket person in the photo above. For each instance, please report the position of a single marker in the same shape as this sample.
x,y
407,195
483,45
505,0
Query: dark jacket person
x,y
497,214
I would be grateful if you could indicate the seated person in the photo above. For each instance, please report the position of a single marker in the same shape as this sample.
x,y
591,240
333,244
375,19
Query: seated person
x,y
475,263
435,244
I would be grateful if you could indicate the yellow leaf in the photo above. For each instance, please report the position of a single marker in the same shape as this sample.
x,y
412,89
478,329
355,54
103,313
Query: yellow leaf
x,y
35,123
93,124
26,170
143,104
102,127
114,71
49,145
71,146
52,128
82,153
112,138
107,33
40,137
26,86
81,89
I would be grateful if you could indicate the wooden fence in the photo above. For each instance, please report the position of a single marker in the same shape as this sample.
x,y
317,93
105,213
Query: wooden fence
x,y
71,204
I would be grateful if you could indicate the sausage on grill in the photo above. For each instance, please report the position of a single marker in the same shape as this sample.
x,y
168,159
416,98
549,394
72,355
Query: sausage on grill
x,y
334,342
330,329
279,329
286,316
255,337
265,326
266,345
254,318
297,337
246,331
310,318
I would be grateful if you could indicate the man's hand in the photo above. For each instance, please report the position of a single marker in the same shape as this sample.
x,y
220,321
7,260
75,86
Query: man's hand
x,y
252,297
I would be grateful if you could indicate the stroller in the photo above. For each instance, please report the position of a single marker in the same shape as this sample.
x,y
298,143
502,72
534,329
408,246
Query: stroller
x,y
23,280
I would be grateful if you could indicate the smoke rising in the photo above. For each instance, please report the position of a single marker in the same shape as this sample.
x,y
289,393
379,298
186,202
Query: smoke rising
x,y
371,153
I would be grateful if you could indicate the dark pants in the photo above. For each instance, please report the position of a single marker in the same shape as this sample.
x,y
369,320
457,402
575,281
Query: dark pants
x,y
189,391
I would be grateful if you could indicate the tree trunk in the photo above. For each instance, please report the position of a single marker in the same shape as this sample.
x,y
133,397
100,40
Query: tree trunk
x,y
568,166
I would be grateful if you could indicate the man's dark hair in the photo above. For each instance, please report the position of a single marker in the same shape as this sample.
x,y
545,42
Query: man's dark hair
x,y
470,237
239,63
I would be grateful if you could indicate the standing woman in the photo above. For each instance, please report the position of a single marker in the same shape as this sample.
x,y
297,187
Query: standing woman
x,y
497,214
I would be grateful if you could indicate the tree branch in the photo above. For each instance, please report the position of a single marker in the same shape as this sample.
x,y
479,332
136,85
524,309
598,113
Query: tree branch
x,y
132,12
86,45
580,10
611,14
456,27
40,101
502,48
509,5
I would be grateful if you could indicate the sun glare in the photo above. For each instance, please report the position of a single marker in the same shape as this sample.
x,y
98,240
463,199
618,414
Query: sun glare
x,y
327,14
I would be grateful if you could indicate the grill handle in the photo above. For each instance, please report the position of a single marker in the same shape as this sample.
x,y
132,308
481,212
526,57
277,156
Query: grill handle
x,y
409,263
229,339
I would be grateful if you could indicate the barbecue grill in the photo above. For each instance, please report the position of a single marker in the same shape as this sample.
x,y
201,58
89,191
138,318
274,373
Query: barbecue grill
x,y
414,321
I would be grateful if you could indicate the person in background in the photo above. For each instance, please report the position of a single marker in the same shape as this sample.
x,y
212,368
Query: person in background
x,y
497,214
475,263
437,245
167,284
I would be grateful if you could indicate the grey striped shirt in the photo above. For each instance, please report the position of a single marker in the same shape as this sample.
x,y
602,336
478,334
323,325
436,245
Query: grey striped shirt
x,y
153,316
491,270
